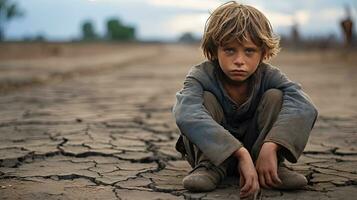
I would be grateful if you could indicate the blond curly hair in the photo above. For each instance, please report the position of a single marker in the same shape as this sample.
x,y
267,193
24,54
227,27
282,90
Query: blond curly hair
x,y
235,21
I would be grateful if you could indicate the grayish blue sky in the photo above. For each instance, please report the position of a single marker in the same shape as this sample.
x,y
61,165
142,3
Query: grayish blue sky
x,y
167,19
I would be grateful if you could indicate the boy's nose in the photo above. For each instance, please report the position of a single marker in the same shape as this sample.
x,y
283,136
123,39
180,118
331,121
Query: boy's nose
x,y
238,60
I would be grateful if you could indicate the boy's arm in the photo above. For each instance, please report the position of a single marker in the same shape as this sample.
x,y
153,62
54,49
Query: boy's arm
x,y
296,118
196,123
249,182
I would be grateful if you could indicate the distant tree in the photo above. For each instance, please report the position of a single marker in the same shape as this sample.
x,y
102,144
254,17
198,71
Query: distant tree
x,y
347,27
39,38
8,11
88,32
187,38
295,35
34,38
117,31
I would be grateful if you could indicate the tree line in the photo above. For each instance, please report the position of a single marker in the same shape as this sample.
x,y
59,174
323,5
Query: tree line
x,y
8,11
115,30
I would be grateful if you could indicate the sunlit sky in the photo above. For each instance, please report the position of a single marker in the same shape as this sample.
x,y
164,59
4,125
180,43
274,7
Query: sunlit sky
x,y
168,19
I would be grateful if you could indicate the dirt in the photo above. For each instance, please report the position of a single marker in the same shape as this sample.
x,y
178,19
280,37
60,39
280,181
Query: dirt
x,y
93,121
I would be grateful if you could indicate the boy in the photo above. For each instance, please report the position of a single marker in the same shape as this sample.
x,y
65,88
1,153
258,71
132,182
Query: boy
x,y
237,113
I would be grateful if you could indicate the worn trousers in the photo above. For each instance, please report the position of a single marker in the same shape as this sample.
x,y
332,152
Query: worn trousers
x,y
256,130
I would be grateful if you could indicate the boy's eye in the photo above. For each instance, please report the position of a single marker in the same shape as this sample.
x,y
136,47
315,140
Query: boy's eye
x,y
249,51
229,51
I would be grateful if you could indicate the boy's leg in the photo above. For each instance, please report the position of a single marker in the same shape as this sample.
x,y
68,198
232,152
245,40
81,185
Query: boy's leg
x,y
204,176
265,116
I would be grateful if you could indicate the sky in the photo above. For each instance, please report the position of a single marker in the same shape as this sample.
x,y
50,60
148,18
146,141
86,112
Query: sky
x,y
168,19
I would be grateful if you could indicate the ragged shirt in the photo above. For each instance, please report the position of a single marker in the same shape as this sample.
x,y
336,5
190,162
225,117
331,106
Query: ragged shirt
x,y
218,141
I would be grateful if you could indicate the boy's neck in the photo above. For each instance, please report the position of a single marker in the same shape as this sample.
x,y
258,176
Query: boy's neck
x,y
233,84
237,91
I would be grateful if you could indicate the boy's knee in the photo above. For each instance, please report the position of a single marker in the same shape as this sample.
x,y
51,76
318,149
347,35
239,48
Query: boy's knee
x,y
273,96
208,97
213,107
271,104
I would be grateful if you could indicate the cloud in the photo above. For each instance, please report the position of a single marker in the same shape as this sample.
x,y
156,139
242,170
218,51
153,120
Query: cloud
x,y
186,23
324,21
331,14
187,4
278,19
302,17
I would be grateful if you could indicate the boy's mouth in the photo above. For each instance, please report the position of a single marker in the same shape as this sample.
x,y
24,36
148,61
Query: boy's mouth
x,y
238,72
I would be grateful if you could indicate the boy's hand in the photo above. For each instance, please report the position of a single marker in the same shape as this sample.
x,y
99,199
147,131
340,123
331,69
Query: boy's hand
x,y
267,165
249,183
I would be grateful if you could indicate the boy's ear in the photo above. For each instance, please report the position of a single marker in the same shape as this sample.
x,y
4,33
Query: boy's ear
x,y
215,55
264,55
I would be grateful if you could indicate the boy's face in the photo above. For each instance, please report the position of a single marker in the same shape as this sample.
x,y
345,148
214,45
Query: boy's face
x,y
239,61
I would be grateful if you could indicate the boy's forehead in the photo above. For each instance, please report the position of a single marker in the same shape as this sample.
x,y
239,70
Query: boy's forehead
x,y
241,42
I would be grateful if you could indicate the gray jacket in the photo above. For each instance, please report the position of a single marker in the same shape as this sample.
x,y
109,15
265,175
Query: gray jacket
x,y
291,129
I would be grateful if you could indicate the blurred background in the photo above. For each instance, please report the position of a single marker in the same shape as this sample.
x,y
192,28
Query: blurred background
x,y
46,40
321,23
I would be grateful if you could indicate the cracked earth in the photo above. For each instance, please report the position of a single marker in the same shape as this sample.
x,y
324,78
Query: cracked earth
x,y
100,126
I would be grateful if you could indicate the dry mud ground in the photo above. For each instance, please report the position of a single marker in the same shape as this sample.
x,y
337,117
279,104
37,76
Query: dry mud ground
x,y
93,121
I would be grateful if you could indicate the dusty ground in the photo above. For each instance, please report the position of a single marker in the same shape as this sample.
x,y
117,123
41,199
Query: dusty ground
x,y
94,122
